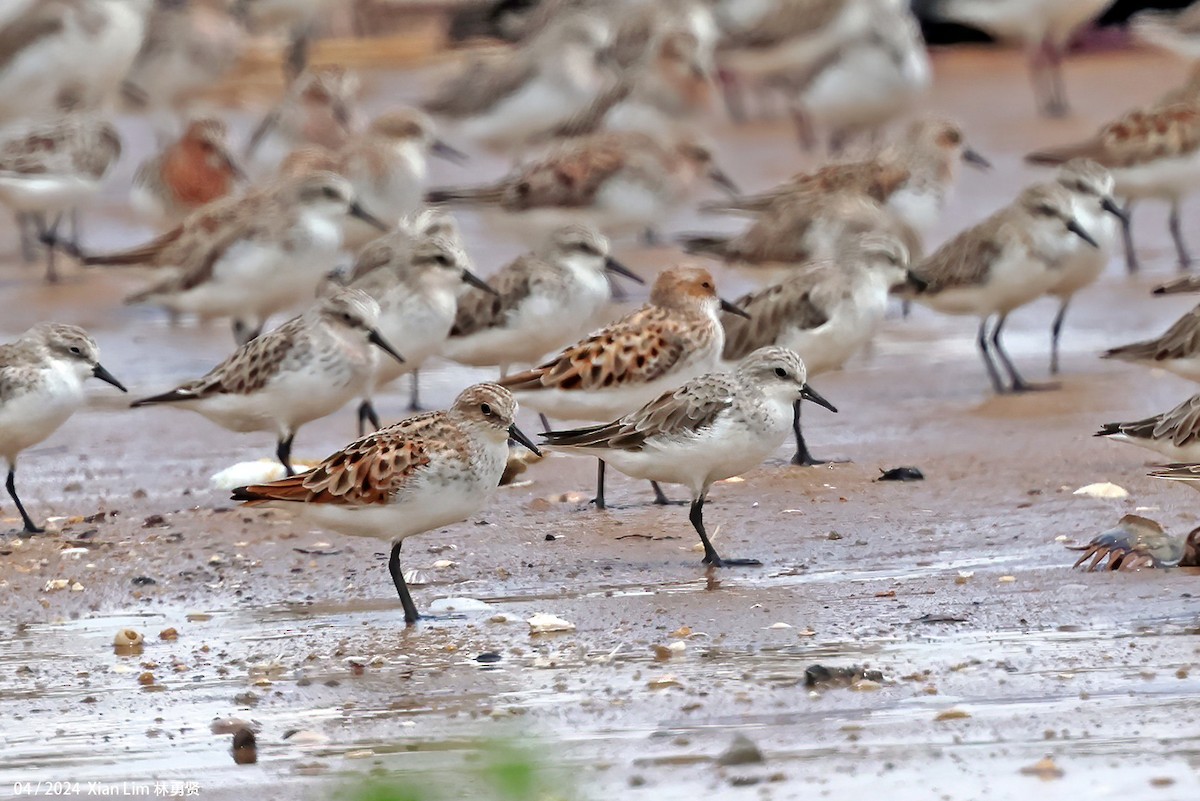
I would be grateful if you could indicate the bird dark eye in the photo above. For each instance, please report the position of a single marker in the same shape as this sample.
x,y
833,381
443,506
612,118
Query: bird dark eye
x,y
442,259
347,317
486,408
1048,211
706,285
779,371
75,351
329,192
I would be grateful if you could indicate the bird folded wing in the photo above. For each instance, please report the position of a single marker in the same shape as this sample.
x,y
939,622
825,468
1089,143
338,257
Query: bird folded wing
x,y
367,472
479,310
790,304
638,349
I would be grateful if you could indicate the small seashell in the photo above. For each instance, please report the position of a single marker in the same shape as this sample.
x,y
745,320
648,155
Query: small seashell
x,y
663,682
779,625
1105,489
53,585
127,638
1045,769
443,563
952,714
459,605
542,622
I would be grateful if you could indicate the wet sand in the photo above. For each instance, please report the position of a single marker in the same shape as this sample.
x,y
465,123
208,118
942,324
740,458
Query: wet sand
x,y
1095,671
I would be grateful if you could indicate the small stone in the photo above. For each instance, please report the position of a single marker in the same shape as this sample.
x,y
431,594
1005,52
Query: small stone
x,y
245,699
142,581
245,746
128,641
1045,769
145,678
542,623
168,634
488,657
154,521
742,751
952,714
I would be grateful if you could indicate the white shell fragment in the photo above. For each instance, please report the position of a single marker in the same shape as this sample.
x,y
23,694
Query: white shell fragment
x,y
459,605
257,472
541,623
1106,490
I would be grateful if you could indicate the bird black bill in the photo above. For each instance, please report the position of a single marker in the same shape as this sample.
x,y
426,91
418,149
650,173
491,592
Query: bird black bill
x,y
975,159
1110,205
519,436
916,282
477,282
448,152
378,341
721,179
1079,231
726,306
367,217
810,394
99,372
615,267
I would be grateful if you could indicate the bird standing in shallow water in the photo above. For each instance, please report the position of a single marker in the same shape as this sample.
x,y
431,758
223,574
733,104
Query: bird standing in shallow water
x,y
713,427
41,385
422,473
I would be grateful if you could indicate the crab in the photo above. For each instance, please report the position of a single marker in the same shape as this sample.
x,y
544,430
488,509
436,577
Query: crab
x,y
1138,542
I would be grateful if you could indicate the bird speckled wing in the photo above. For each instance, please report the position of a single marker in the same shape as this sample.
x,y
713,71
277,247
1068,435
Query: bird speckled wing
x,y
372,470
479,310
680,413
480,86
787,304
1179,426
248,370
965,260
638,349
1140,137
785,21
1181,341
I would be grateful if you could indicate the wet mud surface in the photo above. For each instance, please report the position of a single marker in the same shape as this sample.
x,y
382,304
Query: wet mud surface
x,y
958,589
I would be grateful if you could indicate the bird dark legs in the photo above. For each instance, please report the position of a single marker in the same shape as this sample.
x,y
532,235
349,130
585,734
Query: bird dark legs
x,y
803,457
410,608
660,497
414,395
243,331
982,342
1055,332
599,499
711,557
1019,384
367,415
1131,259
1185,258
1045,67
29,237
49,235
11,486
284,452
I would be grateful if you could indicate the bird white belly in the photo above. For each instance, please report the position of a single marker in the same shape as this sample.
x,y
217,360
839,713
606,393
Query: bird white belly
x,y
722,452
28,419
1188,453
49,193
1166,178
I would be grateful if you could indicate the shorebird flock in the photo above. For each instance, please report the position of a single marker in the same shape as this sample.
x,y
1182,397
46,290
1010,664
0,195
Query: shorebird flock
x,y
602,108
